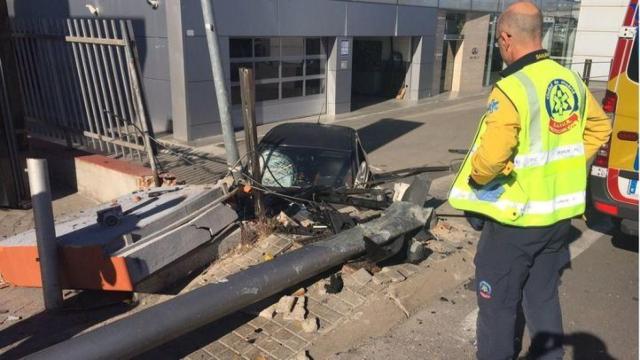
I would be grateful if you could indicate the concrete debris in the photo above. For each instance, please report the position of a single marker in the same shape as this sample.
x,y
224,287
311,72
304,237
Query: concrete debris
x,y
417,251
286,221
302,356
387,275
307,223
14,318
310,325
268,313
299,292
285,305
299,311
393,295
361,277
398,191
348,269
322,287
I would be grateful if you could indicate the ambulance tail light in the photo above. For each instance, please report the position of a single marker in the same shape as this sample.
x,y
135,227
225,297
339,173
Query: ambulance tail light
x,y
602,156
609,102
606,208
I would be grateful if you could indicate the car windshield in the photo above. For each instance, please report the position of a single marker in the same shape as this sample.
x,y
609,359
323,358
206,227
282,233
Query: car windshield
x,y
298,167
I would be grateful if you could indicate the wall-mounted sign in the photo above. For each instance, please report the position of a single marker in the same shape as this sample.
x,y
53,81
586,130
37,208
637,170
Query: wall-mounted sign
x,y
344,47
344,64
474,54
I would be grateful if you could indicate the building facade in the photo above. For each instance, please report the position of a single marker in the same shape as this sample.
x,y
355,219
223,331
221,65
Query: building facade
x,y
310,57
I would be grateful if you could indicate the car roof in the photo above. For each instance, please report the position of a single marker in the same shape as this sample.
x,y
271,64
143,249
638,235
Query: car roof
x,y
309,135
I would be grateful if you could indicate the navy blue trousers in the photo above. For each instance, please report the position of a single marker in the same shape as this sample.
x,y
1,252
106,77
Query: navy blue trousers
x,y
516,267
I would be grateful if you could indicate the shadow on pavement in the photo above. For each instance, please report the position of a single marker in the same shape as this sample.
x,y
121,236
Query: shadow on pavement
x,y
382,132
45,329
585,346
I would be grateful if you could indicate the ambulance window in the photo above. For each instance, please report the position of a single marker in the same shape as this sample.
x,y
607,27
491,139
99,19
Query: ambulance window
x,y
632,70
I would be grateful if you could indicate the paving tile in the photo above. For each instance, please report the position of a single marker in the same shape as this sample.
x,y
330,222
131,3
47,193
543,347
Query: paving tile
x,y
227,355
231,340
294,342
254,353
351,298
268,344
215,347
258,322
409,269
282,353
365,291
244,331
271,327
200,355
323,312
336,304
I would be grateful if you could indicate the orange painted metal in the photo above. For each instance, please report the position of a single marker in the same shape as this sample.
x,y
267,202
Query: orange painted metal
x,y
82,268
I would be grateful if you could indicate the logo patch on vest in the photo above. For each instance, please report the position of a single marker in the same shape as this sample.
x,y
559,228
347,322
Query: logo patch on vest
x,y
493,106
561,102
484,289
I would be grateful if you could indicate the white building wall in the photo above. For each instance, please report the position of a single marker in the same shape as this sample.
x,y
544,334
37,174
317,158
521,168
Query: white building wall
x,y
597,35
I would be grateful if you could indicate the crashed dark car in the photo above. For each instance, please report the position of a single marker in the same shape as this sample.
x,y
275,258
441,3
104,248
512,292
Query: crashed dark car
x,y
297,157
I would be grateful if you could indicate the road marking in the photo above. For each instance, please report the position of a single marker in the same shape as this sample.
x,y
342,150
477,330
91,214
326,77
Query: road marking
x,y
588,238
585,241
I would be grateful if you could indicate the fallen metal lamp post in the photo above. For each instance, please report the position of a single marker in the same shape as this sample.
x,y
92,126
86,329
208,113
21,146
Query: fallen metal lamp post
x,y
166,321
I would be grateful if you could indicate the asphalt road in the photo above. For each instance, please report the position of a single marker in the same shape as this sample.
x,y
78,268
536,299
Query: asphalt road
x,y
599,295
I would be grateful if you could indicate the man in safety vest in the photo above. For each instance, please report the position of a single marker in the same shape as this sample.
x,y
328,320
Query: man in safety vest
x,y
526,175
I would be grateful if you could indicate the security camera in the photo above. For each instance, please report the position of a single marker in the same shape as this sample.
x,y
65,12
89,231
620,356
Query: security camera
x,y
154,3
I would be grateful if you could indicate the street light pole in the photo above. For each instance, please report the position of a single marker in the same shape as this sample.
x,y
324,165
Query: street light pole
x,y
222,95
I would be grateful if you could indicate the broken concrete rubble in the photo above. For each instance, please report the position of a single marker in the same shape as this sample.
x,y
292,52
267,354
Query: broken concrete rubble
x,y
285,305
299,311
268,313
310,325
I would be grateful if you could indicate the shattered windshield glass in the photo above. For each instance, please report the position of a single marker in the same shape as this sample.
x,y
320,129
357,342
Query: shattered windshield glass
x,y
297,167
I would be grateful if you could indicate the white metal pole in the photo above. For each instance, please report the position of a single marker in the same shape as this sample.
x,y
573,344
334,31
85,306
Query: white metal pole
x,y
45,232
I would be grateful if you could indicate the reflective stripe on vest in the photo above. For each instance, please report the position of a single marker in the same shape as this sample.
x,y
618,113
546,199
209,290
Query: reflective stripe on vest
x,y
543,158
531,207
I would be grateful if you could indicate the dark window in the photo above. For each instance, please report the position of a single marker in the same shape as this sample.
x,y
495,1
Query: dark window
x,y
265,47
292,46
292,68
314,46
266,92
240,48
315,86
234,67
632,69
235,95
291,89
267,70
315,66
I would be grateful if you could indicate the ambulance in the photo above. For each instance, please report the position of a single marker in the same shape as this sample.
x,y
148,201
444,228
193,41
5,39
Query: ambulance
x,y
614,173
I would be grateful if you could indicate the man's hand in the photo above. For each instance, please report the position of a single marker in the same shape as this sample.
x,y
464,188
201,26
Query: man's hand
x,y
490,192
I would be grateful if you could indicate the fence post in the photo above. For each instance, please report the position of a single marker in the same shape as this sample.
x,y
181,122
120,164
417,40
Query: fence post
x,y
247,91
45,232
131,54
586,72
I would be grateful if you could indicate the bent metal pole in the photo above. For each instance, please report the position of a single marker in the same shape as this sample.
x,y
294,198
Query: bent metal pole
x,y
222,95
154,326
45,232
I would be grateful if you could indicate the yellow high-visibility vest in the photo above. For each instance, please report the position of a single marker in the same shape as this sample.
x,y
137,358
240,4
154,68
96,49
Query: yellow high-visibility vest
x,y
548,182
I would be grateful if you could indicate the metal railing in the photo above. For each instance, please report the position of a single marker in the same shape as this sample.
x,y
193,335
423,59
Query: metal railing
x,y
80,83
